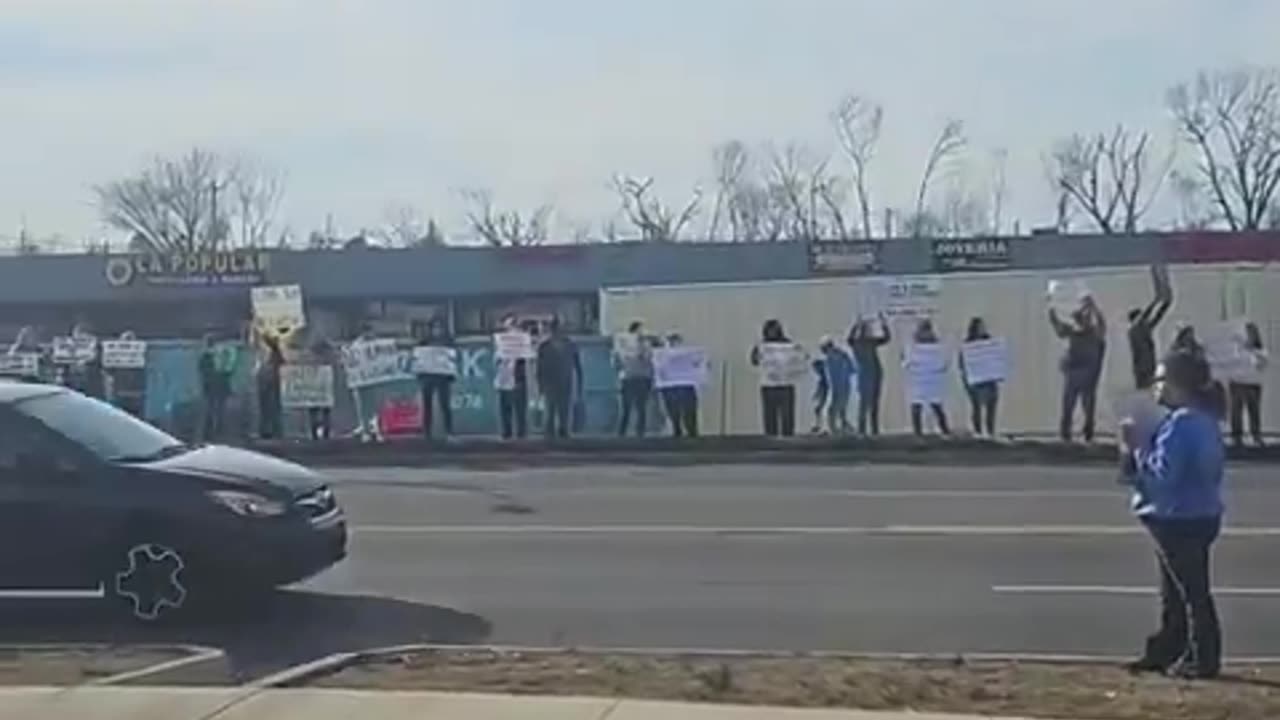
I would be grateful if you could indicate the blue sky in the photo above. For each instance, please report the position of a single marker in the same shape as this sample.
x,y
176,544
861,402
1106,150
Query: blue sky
x,y
366,104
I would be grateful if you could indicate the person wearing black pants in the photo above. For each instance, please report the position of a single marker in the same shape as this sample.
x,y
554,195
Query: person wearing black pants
x,y
866,339
270,409
436,385
633,358
513,408
777,394
682,410
559,375
984,396
1246,388
1177,495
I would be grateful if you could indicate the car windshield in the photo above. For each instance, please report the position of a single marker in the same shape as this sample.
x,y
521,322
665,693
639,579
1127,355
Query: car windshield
x,y
103,430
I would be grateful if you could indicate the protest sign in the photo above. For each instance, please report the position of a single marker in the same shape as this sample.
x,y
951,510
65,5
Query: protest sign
x,y
1224,349
513,345
626,345
306,386
19,364
124,354
1065,296
373,362
278,308
902,297
926,366
435,360
985,361
683,366
76,349
782,364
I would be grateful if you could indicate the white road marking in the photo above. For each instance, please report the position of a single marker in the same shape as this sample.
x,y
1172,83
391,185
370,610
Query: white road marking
x,y
802,530
36,594
1122,590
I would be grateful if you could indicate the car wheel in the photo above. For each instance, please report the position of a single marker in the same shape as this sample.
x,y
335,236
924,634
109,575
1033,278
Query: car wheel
x,y
150,580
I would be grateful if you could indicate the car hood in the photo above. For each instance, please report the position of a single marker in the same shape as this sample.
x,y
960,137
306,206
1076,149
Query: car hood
x,y
235,466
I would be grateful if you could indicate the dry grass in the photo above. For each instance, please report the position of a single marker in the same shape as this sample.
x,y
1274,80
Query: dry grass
x,y
75,666
1074,692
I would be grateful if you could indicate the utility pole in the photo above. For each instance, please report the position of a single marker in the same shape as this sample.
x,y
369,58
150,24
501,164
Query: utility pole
x,y
212,242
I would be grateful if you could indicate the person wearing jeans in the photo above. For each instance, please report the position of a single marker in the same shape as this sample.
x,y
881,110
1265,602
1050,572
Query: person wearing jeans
x,y
681,402
1081,366
559,378
436,385
1177,495
984,396
1246,387
633,357
511,380
865,339
777,394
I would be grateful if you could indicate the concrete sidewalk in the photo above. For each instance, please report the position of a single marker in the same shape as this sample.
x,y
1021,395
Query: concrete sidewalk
x,y
248,704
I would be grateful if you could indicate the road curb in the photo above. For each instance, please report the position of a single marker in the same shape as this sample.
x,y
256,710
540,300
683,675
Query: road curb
x,y
301,675
200,665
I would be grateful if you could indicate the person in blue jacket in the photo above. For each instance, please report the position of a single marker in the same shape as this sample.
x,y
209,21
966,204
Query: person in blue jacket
x,y
1177,479
841,369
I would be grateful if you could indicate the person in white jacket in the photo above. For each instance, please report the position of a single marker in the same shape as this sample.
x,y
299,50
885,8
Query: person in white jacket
x,y
1245,388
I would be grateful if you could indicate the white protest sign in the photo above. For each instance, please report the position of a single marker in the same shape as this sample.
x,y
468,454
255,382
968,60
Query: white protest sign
x,y
373,362
683,366
19,364
905,297
1224,349
124,354
926,366
985,361
1065,296
435,360
278,307
782,364
306,386
513,345
626,345
77,349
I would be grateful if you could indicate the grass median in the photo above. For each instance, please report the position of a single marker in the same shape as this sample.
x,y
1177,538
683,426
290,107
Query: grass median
x,y
1032,690
61,667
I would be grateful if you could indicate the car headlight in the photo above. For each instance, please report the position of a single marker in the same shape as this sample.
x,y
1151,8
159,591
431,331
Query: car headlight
x,y
248,504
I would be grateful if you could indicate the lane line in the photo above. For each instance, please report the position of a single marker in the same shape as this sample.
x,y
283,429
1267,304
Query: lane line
x,y
1122,590
800,530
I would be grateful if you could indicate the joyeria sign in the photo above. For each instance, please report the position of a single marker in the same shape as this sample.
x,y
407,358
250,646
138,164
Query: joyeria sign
x,y
237,267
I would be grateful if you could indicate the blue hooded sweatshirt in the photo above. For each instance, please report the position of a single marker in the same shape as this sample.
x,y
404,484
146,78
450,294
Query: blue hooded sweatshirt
x,y
841,369
1179,477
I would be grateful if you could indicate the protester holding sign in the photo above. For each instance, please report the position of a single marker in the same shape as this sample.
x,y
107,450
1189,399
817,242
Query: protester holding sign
x,y
865,339
633,359
926,364
679,370
513,347
436,346
1142,327
1086,336
1246,386
126,360
840,370
25,357
215,385
982,366
559,379
782,363
308,385
267,374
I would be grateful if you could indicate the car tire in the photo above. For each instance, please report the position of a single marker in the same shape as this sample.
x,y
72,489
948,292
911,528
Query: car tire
x,y
150,581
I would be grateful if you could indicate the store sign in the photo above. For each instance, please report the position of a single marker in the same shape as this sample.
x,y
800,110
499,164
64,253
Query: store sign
x,y
844,258
236,267
971,254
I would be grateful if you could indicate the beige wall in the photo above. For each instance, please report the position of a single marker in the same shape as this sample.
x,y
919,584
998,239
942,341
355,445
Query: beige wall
x,y
726,319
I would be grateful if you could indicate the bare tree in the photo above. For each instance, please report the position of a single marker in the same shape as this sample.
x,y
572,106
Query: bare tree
x,y
999,188
731,162
656,221
1232,119
404,226
506,228
200,201
858,124
950,143
1104,175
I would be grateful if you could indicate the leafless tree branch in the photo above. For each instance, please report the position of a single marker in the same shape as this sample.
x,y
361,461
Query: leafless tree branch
x,y
656,221
858,124
509,228
950,143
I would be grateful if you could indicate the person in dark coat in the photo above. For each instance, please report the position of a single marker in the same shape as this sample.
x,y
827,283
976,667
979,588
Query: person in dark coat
x,y
1086,336
436,386
559,378
865,340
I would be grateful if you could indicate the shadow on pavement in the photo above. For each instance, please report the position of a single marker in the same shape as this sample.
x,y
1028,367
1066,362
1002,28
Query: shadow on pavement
x,y
283,629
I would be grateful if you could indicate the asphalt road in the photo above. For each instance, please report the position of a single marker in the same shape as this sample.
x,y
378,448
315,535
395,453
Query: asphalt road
x,y
866,558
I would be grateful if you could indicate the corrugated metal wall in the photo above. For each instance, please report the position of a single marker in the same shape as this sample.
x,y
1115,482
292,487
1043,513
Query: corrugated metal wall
x,y
726,319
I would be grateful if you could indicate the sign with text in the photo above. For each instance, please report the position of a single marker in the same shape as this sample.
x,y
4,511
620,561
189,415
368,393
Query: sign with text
x,y
435,360
683,366
124,354
782,364
985,361
238,267
926,366
278,307
1224,349
76,349
513,345
1065,296
901,297
954,254
306,386
854,257
374,362
19,364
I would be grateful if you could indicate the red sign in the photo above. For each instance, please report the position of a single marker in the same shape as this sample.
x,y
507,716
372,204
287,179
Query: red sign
x,y
400,417
1222,247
